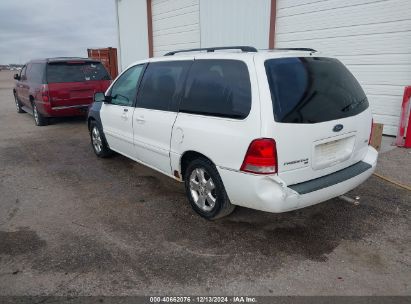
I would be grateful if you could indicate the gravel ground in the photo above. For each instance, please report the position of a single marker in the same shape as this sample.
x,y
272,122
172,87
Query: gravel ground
x,y
72,224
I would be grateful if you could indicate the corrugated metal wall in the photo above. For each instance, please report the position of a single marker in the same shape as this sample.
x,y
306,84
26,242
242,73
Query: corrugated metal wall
x,y
372,37
235,22
180,24
132,27
176,25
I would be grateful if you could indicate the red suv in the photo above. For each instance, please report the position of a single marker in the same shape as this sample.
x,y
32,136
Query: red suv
x,y
57,87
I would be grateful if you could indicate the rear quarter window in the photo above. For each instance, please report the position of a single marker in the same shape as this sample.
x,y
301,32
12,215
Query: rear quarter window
x,y
217,87
76,72
35,73
313,90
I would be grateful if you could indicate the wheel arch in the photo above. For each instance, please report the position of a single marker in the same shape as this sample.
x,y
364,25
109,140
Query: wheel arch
x,y
94,114
89,120
189,156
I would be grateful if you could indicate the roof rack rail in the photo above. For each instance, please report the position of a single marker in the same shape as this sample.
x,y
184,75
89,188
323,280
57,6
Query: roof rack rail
x,y
212,49
67,58
295,49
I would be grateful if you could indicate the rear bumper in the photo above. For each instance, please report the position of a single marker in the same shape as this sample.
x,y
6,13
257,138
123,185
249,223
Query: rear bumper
x,y
271,194
59,111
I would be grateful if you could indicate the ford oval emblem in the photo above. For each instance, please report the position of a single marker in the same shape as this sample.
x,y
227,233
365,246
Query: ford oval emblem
x,y
338,128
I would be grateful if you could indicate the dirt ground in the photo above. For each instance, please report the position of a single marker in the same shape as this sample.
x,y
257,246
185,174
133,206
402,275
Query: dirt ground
x,y
73,224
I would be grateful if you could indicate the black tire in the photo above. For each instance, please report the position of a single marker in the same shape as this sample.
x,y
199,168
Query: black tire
x,y
98,141
18,105
222,205
39,119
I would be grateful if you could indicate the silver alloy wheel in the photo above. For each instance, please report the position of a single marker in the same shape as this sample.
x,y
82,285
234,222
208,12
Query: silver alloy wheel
x,y
36,114
202,189
96,139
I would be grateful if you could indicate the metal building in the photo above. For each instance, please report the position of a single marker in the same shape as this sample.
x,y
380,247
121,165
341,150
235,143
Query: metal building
x,y
372,37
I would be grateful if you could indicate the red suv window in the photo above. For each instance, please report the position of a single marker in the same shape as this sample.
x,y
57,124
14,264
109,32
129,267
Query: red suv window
x,y
76,72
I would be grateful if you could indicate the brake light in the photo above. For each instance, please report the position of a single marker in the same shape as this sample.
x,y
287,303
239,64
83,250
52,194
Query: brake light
x,y
261,157
45,93
372,127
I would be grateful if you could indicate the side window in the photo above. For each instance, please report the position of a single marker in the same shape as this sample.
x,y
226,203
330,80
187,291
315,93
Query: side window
x,y
218,88
23,73
161,85
124,89
35,73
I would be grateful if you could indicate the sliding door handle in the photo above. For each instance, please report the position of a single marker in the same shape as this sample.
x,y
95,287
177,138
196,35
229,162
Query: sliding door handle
x,y
140,119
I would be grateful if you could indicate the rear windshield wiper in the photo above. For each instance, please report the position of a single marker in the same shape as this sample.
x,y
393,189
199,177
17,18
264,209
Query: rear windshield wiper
x,y
353,105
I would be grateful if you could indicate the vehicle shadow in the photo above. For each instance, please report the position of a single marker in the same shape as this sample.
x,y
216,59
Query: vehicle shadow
x,y
311,233
72,120
248,241
129,216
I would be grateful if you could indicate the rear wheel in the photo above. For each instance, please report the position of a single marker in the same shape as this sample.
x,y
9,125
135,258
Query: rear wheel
x,y
39,119
205,190
18,105
98,142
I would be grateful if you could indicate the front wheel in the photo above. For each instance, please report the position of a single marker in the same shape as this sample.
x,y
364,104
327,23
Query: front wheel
x,y
18,105
205,190
98,142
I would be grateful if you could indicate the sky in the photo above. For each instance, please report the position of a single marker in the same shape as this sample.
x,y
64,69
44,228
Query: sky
x,y
48,28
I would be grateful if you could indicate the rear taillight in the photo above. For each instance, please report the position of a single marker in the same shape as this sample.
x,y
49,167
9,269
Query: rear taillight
x,y
261,157
372,127
45,93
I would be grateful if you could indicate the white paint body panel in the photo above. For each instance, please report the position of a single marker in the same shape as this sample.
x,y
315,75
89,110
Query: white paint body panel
x,y
223,140
118,128
152,135
297,141
159,139
271,194
373,38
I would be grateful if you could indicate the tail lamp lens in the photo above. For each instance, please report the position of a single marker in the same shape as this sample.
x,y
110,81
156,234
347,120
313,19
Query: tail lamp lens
x,y
45,93
261,157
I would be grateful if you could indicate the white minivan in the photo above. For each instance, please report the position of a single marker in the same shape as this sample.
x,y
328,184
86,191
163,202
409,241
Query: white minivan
x,y
274,130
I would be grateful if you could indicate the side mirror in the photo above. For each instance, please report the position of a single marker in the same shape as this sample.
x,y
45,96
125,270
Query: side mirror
x,y
100,97
16,76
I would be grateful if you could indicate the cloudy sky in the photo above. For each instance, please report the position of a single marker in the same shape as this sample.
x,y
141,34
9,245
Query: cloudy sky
x,y
48,28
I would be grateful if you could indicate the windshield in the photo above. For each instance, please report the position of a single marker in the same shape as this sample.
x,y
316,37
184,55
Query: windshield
x,y
313,89
76,72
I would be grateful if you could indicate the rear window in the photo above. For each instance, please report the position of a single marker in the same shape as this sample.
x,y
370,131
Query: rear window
x,y
76,72
218,87
313,89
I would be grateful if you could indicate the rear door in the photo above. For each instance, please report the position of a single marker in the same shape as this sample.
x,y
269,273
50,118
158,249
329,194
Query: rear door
x,y
319,119
117,115
74,83
156,112
35,78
